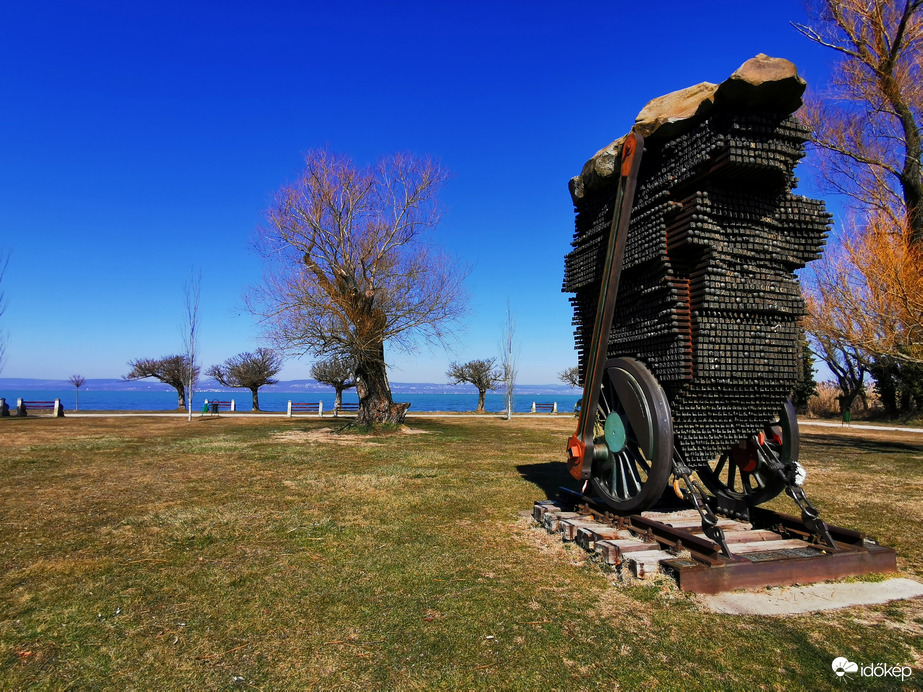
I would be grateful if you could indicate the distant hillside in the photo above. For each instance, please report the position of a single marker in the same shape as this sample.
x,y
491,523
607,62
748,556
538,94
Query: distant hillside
x,y
13,384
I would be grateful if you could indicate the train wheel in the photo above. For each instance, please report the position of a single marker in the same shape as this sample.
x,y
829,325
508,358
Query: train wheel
x,y
633,455
740,474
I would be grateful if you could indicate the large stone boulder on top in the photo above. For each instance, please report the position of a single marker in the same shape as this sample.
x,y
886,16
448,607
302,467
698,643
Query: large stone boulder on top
x,y
761,83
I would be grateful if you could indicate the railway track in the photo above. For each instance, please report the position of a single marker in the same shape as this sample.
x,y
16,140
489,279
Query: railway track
x,y
769,549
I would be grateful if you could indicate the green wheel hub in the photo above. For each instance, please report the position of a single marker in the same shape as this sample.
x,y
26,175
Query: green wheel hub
x,y
615,432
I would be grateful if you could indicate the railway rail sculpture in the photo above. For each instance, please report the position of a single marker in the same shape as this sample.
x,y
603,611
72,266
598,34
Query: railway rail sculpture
x,y
686,306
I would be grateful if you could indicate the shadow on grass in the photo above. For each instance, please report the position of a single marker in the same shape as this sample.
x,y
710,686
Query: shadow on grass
x,y
549,476
860,444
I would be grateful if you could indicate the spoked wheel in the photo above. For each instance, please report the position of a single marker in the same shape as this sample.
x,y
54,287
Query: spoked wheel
x,y
740,474
633,435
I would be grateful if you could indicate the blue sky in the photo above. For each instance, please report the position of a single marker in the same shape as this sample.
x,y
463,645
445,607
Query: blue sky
x,y
140,141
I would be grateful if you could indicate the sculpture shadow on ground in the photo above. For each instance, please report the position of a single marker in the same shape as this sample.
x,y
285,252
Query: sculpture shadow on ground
x,y
548,476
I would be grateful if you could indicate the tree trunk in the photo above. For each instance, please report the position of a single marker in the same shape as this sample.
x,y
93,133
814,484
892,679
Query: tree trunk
x,y
338,400
481,394
375,403
846,401
256,398
181,393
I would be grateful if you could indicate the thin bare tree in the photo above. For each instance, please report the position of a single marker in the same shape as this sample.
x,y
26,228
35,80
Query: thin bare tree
x,y
249,370
867,124
171,370
349,269
336,372
4,263
78,381
508,358
192,289
481,373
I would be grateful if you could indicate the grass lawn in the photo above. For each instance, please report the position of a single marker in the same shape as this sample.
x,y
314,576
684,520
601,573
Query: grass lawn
x,y
262,553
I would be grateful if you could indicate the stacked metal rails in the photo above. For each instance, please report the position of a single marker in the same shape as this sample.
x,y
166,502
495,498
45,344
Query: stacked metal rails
x,y
708,299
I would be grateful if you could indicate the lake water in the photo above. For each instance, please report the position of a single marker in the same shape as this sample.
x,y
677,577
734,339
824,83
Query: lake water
x,y
275,401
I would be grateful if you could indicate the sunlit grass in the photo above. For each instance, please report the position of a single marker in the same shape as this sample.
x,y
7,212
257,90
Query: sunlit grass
x,y
160,554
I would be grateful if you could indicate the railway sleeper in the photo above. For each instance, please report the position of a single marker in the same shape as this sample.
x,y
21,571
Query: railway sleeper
x,y
773,550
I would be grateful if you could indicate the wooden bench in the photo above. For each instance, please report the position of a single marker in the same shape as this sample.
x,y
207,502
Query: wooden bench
x,y
545,408
23,406
305,407
347,407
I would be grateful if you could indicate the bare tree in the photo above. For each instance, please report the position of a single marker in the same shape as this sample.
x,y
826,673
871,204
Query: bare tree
x,y
192,290
4,262
570,376
508,358
77,381
867,127
481,373
348,269
249,371
171,370
336,372
847,365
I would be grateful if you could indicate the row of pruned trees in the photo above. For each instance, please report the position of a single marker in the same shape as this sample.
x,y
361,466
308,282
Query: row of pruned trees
x,y
249,370
865,302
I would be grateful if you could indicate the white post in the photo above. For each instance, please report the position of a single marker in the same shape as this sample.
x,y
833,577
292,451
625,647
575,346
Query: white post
x,y
58,413
233,405
533,407
20,408
320,409
4,411
554,409
289,408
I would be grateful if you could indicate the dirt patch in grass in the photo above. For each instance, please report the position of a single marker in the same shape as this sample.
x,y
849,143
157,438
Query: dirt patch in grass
x,y
334,436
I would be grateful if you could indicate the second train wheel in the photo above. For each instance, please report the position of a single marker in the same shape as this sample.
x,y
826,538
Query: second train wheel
x,y
633,457
740,474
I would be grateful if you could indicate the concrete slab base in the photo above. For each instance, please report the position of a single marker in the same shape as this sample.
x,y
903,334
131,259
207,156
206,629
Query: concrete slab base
x,y
792,600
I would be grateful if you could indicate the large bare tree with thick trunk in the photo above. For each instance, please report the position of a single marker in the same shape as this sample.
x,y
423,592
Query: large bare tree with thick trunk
x,y
249,371
867,124
349,271
171,370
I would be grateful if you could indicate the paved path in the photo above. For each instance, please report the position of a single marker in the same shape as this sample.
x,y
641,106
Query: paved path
x,y
852,426
793,600
487,416
277,414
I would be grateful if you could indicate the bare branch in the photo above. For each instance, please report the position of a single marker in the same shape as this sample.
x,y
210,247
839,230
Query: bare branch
x,y
870,119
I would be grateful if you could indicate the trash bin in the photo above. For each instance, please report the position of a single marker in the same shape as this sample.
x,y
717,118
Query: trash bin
x,y
214,406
